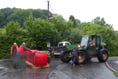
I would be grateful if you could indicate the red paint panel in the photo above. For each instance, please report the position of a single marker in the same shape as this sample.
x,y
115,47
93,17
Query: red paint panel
x,y
38,58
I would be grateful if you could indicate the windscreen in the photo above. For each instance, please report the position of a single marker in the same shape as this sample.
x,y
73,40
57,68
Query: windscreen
x,y
84,40
61,44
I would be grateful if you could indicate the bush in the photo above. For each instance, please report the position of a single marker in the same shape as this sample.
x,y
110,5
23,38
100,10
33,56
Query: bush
x,y
38,32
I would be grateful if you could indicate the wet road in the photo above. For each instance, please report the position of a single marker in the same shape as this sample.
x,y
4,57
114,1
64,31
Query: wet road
x,y
58,70
113,62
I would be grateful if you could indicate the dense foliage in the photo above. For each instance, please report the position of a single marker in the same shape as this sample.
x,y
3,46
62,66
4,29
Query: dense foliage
x,y
34,29
20,15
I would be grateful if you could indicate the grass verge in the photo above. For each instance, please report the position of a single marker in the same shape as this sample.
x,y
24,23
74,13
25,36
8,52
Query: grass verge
x,y
116,73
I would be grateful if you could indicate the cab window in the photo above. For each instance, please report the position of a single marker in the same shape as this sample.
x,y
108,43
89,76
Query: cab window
x,y
61,44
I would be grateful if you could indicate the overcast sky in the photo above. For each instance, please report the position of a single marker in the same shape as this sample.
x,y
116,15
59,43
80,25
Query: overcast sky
x,y
84,10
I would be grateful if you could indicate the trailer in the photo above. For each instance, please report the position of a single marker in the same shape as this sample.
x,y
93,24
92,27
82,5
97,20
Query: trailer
x,y
33,58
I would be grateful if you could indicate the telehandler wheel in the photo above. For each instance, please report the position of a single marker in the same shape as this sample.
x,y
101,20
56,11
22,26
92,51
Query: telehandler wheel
x,y
103,56
81,58
65,57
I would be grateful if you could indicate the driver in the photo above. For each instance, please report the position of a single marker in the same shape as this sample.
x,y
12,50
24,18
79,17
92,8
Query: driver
x,y
92,42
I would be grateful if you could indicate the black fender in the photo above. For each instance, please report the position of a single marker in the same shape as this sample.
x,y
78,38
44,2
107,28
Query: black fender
x,y
102,50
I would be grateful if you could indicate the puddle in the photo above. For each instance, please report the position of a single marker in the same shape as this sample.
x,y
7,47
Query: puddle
x,y
3,68
7,71
3,71
116,62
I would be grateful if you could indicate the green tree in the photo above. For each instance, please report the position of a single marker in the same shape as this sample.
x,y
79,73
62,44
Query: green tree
x,y
12,27
15,33
74,36
115,45
72,18
78,23
57,17
41,32
2,16
20,15
4,47
100,21
12,33
63,27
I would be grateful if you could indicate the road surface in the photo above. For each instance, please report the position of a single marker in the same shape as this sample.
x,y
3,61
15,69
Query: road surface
x,y
58,70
